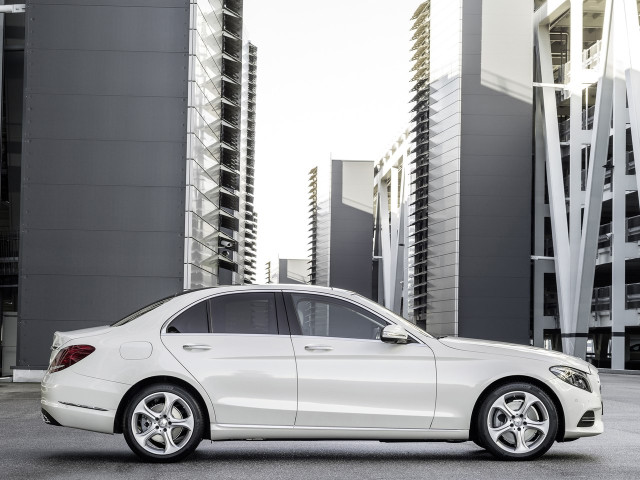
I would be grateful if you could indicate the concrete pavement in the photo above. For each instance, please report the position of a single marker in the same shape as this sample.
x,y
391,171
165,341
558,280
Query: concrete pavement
x,y
29,449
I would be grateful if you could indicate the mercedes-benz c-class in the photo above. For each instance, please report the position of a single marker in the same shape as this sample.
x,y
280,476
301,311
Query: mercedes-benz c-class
x,y
308,363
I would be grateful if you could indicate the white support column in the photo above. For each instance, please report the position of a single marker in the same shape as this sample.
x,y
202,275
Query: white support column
x,y
385,240
539,216
618,289
394,221
633,75
555,181
575,149
632,43
575,338
398,246
403,249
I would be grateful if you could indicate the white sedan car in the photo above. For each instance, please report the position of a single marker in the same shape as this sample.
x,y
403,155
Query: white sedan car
x,y
309,363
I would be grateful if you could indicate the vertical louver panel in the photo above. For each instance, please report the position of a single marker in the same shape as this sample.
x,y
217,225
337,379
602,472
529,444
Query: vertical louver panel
x,y
421,37
217,135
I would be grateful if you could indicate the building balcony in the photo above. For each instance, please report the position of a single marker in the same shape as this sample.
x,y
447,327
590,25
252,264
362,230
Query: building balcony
x,y
601,306
231,92
232,25
232,47
590,63
231,114
232,70
233,6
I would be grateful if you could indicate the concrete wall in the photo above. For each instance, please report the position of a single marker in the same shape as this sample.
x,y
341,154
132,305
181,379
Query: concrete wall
x,y
292,271
103,169
351,226
495,170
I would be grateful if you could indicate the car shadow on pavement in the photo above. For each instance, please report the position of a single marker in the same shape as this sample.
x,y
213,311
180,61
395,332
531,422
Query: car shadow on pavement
x,y
299,454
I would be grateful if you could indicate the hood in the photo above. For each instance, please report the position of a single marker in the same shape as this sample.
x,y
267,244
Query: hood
x,y
515,350
60,338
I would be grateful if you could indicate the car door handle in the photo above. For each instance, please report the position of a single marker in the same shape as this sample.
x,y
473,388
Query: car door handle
x,y
191,346
318,347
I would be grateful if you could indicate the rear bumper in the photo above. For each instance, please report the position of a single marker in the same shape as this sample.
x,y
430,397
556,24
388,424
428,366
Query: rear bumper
x,y
77,401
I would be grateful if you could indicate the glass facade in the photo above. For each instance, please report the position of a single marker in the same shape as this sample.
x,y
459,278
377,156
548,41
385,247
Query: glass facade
x,y
220,225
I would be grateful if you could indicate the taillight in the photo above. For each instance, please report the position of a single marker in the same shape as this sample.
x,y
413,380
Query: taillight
x,y
70,355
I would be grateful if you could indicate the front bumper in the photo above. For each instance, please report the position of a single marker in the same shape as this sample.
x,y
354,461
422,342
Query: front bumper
x,y
78,401
576,403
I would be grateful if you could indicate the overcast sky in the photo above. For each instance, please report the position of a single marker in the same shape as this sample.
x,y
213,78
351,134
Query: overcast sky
x,y
333,81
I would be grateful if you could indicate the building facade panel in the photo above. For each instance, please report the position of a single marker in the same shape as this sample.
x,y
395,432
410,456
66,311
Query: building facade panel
x,y
74,117
108,211
81,119
108,253
54,71
131,163
91,27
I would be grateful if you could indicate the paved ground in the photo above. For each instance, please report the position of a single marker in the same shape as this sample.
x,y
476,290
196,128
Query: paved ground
x,y
29,449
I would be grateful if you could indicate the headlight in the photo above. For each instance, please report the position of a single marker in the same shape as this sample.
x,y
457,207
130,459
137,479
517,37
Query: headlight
x,y
572,376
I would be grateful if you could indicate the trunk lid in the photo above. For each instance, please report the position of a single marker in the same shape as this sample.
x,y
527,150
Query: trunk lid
x,y
62,338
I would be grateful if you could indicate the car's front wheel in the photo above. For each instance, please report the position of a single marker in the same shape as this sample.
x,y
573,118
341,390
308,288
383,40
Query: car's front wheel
x,y
517,421
163,423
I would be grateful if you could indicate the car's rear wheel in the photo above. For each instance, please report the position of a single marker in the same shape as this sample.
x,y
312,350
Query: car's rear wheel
x,y
517,421
163,423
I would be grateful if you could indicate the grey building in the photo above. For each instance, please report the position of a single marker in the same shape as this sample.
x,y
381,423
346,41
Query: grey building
x,y
472,175
288,271
341,225
127,160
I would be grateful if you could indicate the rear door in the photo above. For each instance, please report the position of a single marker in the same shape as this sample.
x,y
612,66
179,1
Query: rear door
x,y
234,345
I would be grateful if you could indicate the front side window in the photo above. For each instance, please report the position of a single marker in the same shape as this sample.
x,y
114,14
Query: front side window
x,y
244,313
324,317
192,320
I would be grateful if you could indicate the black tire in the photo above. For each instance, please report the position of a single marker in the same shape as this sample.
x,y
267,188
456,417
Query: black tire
x,y
510,429
159,434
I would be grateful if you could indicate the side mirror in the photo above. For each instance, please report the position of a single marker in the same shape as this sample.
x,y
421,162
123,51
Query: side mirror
x,y
393,334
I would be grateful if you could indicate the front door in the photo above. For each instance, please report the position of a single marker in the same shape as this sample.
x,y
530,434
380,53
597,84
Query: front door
x,y
347,377
241,357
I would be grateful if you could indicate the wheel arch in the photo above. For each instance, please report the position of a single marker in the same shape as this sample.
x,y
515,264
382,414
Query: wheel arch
x,y
122,406
514,379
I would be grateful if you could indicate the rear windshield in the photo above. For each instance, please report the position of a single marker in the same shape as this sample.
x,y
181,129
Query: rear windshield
x,y
142,311
148,308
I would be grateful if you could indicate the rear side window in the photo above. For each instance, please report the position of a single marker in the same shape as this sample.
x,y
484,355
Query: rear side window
x,y
192,320
244,313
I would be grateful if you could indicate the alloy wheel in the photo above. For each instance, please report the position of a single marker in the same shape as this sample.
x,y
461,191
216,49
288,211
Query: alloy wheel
x,y
162,423
518,422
